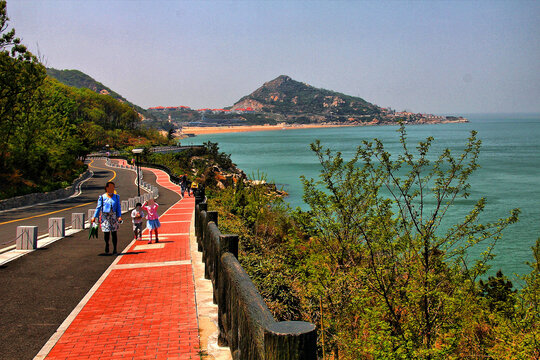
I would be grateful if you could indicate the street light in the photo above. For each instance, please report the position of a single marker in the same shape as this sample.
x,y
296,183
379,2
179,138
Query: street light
x,y
137,152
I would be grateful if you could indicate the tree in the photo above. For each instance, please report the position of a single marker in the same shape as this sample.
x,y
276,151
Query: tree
x,y
21,75
170,134
385,267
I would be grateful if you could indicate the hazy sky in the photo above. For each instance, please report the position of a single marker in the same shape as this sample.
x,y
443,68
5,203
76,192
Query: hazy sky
x,y
425,56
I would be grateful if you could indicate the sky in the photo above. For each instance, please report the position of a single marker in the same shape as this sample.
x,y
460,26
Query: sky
x,y
441,57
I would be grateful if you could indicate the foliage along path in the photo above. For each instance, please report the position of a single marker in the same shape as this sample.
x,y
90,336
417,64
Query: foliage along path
x,y
145,306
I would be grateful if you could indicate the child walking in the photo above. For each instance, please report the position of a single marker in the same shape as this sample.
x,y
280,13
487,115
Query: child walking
x,y
137,216
153,218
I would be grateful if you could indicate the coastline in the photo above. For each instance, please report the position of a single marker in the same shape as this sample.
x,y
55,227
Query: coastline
x,y
248,128
195,130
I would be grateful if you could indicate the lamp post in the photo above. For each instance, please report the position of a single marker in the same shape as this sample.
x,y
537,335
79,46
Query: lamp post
x,y
137,152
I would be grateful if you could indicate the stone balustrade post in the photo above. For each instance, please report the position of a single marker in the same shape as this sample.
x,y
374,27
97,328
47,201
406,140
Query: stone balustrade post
x,y
57,227
291,340
77,220
131,203
26,238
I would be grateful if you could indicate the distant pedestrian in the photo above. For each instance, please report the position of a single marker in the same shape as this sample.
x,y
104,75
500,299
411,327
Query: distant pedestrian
x,y
109,213
183,184
188,186
198,192
137,217
152,222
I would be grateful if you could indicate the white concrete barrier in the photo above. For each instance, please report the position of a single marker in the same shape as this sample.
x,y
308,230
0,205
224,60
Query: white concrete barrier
x,y
77,220
57,227
26,237
125,205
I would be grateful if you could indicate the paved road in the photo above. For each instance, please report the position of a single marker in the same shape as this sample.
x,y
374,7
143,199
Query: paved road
x,y
38,215
39,290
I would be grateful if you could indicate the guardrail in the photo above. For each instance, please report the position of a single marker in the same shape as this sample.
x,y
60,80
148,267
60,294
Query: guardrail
x,y
245,323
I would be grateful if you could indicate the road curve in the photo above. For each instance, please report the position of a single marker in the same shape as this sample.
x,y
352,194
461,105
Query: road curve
x,y
38,215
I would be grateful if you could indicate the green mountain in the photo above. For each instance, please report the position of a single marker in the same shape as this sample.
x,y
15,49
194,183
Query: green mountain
x,y
80,80
286,96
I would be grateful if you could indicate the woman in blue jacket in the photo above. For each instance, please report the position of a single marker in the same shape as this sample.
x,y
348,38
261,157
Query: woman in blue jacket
x,y
111,215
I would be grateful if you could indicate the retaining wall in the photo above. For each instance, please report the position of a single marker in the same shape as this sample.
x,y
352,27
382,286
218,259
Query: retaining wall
x,y
36,198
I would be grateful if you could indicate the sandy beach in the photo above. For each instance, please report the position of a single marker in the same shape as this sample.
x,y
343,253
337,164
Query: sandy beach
x,y
195,130
234,129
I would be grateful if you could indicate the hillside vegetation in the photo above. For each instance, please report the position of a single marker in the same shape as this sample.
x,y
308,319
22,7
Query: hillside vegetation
x,y
80,80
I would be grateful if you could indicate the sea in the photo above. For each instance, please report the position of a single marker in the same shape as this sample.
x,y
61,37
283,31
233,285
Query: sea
x,y
508,177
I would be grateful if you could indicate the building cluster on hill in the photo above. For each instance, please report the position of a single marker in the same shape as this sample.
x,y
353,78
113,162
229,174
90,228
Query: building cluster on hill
x,y
408,116
204,110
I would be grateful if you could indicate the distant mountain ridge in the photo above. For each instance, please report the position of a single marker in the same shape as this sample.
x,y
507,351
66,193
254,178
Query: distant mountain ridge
x,y
290,97
282,100
79,80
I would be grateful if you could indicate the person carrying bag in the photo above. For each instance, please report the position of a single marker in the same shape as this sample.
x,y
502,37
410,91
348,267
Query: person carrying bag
x,y
109,211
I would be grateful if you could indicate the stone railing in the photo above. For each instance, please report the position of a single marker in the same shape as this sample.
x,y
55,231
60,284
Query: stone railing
x,y
246,325
37,198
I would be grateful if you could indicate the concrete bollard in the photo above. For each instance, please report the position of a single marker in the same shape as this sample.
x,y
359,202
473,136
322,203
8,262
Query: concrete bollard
x,y
57,227
125,205
91,213
77,220
131,203
26,237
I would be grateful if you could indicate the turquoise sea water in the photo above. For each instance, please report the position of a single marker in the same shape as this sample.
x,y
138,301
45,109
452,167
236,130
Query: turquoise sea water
x,y
509,175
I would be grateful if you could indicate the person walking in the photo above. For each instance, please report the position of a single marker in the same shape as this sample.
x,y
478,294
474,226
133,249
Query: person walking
x,y
137,216
109,207
198,192
188,186
183,184
152,222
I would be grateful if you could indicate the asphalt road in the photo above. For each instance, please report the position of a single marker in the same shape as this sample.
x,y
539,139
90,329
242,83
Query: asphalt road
x,y
38,215
39,290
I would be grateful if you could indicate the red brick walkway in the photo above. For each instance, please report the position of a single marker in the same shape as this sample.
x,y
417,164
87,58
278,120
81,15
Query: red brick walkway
x,y
145,307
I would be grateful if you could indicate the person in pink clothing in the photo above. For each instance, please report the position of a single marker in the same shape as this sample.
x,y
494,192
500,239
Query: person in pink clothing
x,y
152,218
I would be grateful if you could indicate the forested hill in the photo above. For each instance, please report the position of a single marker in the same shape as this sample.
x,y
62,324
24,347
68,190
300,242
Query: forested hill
x,y
286,96
80,80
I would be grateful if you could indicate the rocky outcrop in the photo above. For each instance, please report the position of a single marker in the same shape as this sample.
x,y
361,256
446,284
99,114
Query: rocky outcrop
x,y
286,96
